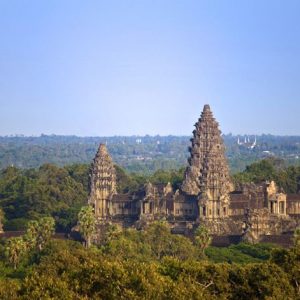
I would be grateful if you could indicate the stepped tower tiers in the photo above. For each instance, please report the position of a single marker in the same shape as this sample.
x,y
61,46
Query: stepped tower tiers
x,y
207,175
102,183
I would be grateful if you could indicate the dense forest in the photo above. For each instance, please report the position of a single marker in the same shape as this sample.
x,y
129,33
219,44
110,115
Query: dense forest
x,y
147,264
129,264
27,194
143,155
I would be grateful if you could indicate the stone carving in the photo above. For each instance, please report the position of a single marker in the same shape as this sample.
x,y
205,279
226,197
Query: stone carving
x,y
206,195
276,199
207,175
102,183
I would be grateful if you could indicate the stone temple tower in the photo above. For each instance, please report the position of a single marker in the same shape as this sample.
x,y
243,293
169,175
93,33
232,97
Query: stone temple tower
x,y
207,175
102,183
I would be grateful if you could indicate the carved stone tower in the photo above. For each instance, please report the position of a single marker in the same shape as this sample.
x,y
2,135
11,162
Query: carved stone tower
x,y
102,183
207,175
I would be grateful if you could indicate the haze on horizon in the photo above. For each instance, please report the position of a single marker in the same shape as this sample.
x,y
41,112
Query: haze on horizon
x,y
105,68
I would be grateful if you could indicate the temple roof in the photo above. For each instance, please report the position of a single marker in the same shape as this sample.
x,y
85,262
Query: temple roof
x,y
238,201
122,198
293,198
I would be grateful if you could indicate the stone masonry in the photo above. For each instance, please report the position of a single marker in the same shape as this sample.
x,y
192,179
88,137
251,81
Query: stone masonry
x,y
207,195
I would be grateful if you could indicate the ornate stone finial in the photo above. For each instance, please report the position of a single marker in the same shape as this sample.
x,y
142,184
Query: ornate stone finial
x,y
206,108
208,175
149,188
102,150
168,189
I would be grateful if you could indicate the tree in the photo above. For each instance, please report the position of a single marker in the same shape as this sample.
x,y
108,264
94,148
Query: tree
x,y
9,289
33,193
1,219
15,249
111,232
86,223
39,232
202,239
297,238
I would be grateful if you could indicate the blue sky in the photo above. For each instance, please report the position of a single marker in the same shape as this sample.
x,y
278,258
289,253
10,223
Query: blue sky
x,y
147,67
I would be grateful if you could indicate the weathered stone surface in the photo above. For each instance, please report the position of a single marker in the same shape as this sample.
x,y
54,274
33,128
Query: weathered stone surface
x,y
208,175
102,183
206,197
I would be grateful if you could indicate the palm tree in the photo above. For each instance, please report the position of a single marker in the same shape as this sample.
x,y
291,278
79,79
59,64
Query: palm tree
x,y
202,239
39,232
86,223
297,238
15,249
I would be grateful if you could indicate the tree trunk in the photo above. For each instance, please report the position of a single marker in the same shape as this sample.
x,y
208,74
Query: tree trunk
x,y
88,242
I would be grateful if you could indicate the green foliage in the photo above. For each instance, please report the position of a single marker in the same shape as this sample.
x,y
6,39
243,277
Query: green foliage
x,y
86,223
175,177
66,219
39,233
297,238
16,224
127,183
287,178
154,243
15,250
289,261
1,217
154,153
202,239
9,289
266,281
31,194
242,253
122,269
80,173
257,172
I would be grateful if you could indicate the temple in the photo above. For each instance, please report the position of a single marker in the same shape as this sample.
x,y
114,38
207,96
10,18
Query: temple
x,y
102,183
207,195
207,175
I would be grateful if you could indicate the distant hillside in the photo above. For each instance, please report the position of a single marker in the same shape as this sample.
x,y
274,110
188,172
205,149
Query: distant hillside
x,y
140,154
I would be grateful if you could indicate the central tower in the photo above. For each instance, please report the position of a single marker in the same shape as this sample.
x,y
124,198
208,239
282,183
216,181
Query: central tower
x,y
102,183
207,175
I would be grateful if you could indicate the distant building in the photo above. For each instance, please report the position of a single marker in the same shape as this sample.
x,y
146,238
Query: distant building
x,y
207,195
247,142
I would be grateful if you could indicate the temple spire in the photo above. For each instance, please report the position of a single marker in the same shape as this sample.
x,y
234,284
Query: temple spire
x,y
207,175
102,182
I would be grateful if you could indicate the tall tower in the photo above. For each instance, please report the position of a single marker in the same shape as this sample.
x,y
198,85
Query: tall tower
x,y
207,175
102,183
